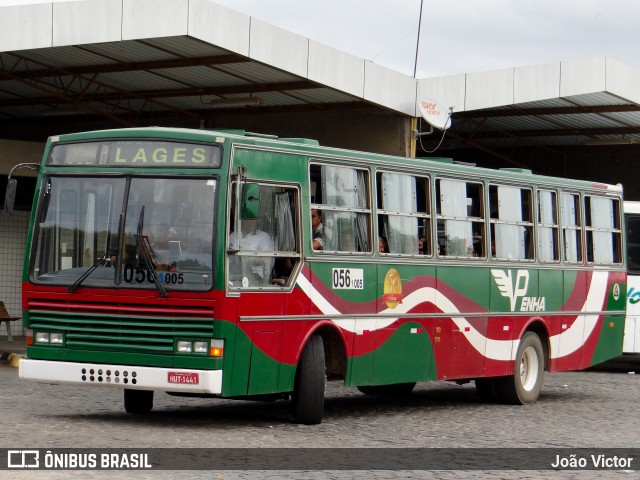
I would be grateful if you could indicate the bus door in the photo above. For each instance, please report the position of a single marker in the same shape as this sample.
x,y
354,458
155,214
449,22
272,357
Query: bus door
x,y
263,259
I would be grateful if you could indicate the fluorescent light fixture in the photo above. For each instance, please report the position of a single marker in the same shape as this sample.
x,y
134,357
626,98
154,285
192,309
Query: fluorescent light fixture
x,y
236,101
611,141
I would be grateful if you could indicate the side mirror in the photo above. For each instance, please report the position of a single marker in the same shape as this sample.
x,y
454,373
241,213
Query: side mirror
x,y
10,196
250,207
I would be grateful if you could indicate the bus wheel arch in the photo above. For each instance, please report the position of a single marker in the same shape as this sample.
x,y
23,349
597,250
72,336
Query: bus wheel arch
x,y
538,327
335,352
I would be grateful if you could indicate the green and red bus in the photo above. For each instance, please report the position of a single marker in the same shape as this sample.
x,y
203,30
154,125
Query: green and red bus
x,y
181,261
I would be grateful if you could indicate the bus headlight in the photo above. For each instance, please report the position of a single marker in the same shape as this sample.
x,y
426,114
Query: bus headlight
x,y
200,347
56,337
42,337
50,338
184,346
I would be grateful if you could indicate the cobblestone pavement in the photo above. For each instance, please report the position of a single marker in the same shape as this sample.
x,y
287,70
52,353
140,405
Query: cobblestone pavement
x,y
592,409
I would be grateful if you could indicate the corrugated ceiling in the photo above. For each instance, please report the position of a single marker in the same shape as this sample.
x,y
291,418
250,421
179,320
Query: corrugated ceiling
x,y
131,82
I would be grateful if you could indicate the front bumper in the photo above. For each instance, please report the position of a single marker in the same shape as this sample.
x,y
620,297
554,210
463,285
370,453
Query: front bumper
x,y
122,376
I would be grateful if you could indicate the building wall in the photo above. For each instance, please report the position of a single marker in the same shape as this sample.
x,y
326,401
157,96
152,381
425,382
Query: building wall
x,y
13,228
17,151
13,238
370,131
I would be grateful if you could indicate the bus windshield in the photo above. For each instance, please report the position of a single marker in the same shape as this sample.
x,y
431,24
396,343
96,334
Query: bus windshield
x,y
126,231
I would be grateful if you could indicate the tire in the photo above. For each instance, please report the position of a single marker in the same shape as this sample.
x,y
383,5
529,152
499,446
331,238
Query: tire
x,y
523,387
138,401
307,401
392,390
486,388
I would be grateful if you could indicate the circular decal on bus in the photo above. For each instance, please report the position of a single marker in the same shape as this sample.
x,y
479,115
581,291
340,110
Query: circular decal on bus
x,y
392,288
616,291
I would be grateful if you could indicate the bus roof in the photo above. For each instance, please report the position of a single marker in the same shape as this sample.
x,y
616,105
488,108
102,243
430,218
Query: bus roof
x,y
312,146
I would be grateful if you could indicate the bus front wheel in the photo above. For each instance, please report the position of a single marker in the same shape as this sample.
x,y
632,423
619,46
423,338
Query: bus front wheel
x,y
524,385
138,401
307,401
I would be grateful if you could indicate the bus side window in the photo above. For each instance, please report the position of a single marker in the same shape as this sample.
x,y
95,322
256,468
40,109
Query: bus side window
x,y
264,250
548,242
632,223
345,207
571,227
511,222
461,224
403,213
603,230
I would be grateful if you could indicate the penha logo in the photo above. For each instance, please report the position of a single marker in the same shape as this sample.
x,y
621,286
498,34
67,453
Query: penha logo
x,y
392,288
514,289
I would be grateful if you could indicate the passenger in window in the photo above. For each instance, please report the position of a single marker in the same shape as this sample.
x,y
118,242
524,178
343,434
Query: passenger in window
x,y
421,245
383,245
254,239
317,230
477,240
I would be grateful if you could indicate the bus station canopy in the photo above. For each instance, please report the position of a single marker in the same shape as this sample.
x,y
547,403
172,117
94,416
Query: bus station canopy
x,y
118,63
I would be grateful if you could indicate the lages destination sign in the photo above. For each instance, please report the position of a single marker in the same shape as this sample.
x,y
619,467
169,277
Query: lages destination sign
x,y
135,153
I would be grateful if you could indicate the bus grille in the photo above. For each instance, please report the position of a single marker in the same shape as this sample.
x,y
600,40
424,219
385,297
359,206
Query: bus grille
x,y
131,328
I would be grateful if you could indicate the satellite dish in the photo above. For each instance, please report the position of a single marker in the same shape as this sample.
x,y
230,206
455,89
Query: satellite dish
x,y
435,114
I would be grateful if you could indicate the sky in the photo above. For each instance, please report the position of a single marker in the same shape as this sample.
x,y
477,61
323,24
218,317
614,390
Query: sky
x,y
456,36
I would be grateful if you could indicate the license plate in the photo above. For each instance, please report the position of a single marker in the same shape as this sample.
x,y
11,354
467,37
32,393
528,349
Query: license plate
x,y
183,378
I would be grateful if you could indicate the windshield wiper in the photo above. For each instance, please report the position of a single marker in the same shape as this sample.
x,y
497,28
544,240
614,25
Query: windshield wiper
x,y
146,252
107,255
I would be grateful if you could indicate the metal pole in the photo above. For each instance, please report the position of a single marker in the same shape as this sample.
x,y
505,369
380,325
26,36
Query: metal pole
x,y
415,64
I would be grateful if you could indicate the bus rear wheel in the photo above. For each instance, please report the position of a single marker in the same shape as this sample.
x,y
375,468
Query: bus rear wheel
x,y
307,401
392,390
524,385
138,401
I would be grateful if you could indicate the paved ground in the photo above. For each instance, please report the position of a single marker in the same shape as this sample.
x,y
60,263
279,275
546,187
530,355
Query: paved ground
x,y
592,409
